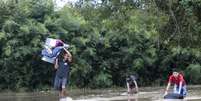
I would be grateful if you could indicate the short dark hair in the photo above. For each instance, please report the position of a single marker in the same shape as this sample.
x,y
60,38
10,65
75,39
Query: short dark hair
x,y
61,54
175,70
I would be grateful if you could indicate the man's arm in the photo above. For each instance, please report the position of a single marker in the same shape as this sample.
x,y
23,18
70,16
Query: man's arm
x,y
167,88
181,79
69,55
180,86
136,86
128,87
56,64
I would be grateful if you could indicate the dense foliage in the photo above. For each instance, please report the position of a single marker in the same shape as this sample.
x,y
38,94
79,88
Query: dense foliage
x,y
109,40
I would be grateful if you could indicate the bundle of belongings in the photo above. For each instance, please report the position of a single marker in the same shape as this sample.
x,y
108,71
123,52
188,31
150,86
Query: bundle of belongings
x,y
52,49
174,96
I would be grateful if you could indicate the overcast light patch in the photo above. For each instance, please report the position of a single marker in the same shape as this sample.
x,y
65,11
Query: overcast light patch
x,y
61,3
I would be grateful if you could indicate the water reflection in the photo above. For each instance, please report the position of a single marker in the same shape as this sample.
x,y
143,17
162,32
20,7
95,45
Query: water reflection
x,y
100,95
130,98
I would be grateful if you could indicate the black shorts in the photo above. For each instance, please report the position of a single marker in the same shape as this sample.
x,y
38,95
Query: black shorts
x,y
132,86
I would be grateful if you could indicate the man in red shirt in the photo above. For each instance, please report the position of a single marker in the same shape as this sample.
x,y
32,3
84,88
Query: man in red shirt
x,y
179,83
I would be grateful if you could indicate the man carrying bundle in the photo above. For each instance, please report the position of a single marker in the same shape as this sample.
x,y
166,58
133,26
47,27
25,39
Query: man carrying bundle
x,y
62,73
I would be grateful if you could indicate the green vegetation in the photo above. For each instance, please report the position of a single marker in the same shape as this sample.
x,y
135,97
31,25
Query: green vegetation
x,y
109,40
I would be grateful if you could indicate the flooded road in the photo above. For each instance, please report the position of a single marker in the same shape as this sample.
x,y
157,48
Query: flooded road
x,y
146,94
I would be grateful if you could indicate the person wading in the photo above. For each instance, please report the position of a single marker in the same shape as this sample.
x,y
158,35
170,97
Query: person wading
x,y
177,79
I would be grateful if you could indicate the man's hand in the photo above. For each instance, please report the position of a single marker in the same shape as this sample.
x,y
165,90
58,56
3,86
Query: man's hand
x,y
166,92
177,92
137,90
129,91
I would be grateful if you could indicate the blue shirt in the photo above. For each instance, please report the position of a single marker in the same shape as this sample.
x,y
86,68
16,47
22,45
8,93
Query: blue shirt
x,y
63,69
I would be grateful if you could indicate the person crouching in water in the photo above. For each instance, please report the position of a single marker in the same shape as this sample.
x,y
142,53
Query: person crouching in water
x,y
131,83
62,73
179,83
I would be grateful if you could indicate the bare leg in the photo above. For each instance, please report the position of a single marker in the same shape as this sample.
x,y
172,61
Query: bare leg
x,y
63,95
60,96
133,98
64,92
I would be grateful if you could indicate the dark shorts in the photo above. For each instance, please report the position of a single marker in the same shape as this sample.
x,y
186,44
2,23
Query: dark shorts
x,y
132,86
60,83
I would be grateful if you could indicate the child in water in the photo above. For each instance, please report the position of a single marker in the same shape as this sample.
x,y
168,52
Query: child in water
x,y
131,83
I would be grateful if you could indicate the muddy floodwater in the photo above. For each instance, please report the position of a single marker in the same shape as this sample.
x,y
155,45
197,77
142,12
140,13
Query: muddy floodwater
x,y
146,94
